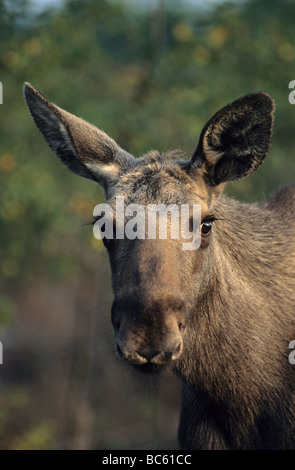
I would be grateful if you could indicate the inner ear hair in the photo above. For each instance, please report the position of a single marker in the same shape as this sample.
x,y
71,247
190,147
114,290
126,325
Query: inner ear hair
x,y
236,140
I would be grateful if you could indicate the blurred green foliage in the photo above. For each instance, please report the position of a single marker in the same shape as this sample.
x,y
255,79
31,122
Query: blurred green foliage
x,y
150,77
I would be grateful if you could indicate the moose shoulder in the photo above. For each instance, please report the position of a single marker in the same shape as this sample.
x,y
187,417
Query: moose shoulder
x,y
221,316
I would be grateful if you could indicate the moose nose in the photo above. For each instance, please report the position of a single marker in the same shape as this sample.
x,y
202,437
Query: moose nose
x,y
149,329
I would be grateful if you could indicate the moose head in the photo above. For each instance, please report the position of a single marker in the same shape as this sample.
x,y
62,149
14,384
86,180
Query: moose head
x,y
157,284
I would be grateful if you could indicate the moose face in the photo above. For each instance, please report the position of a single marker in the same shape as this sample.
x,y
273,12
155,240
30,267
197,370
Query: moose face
x,y
152,277
156,281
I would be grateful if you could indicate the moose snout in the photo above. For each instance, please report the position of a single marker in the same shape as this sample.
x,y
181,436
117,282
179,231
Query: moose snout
x,y
149,333
143,354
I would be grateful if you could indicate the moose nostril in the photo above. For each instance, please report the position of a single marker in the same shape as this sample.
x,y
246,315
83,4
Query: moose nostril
x,y
181,327
116,325
178,349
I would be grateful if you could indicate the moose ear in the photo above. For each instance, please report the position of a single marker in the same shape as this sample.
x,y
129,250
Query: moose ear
x,y
236,140
85,150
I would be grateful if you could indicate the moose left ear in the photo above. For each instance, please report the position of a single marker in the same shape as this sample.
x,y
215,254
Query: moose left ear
x,y
236,140
82,147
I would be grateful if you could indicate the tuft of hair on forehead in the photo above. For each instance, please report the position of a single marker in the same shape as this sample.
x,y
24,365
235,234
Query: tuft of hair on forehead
x,y
157,175
170,164
172,156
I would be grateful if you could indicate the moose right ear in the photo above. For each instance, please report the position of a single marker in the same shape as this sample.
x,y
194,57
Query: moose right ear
x,y
236,140
85,150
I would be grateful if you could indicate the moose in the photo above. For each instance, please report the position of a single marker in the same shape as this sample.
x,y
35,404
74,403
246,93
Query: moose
x,y
221,317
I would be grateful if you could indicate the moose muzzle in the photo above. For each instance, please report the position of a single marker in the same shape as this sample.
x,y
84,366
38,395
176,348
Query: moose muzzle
x,y
149,329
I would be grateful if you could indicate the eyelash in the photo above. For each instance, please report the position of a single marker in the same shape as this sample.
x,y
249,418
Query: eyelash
x,y
209,218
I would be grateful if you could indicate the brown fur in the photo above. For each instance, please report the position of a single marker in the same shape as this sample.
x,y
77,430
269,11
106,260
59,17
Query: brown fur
x,y
221,316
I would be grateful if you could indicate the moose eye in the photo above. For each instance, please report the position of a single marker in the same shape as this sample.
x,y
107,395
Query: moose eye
x,y
108,239
206,228
108,243
104,230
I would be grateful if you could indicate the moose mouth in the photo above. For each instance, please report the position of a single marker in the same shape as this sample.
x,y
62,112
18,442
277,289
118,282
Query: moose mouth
x,y
147,368
153,365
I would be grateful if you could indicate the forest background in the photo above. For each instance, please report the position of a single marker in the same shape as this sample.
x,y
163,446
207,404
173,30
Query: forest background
x,y
150,74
